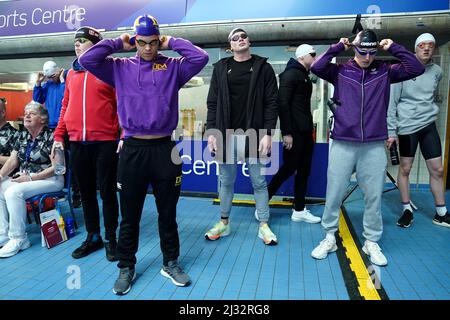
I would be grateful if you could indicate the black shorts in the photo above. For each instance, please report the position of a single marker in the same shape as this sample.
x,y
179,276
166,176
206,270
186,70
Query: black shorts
x,y
430,143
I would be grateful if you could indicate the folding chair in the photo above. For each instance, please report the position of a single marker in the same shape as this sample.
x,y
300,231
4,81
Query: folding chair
x,y
64,193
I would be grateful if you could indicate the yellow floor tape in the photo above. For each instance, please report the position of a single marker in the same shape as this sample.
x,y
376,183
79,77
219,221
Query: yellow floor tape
x,y
365,284
252,202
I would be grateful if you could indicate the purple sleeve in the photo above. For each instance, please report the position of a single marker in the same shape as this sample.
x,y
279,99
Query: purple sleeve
x,y
409,66
97,59
323,67
193,59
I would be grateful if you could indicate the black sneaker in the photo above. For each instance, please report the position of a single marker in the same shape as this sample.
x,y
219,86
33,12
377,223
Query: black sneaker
x,y
87,247
443,221
123,283
111,250
174,272
406,219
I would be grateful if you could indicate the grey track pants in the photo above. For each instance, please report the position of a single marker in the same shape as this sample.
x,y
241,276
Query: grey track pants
x,y
369,160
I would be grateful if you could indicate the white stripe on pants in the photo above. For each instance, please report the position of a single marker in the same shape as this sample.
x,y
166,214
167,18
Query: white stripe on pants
x,y
13,211
369,160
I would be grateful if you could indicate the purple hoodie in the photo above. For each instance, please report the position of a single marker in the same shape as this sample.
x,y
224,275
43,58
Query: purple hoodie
x,y
364,93
147,91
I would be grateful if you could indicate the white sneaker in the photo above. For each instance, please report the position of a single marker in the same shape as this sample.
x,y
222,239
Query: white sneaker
x,y
304,215
321,251
372,249
13,246
3,240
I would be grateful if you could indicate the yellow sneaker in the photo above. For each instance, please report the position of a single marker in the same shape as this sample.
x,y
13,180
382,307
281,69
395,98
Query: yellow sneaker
x,y
219,230
267,235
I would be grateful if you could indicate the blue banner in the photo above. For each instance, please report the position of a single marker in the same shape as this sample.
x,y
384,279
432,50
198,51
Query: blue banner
x,y
200,175
30,17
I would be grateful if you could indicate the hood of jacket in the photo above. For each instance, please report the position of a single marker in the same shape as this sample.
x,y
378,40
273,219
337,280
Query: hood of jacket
x,y
294,64
76,66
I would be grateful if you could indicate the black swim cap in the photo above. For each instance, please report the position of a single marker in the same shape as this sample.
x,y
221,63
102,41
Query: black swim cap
x,y
366,39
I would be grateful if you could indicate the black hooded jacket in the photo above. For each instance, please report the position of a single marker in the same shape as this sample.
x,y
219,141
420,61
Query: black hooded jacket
x,y
294,99
262,108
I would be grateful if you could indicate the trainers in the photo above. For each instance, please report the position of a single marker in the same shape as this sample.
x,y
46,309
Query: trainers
x,y
123,283
87,247
406,219
304,215
373,250
219,230
13,247
111,250
174,272
325,246
267,235
3,240
443,221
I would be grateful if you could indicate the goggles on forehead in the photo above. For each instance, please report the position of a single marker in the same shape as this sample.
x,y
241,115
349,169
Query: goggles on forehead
x,y
366,52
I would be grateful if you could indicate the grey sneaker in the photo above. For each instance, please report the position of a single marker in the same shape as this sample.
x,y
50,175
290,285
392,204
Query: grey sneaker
x,y
174,272
123,283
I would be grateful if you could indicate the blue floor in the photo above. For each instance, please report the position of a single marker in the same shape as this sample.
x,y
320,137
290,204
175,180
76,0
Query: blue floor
x,y
418,257
239,266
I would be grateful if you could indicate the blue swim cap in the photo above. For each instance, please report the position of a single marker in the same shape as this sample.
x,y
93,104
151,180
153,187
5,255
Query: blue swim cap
x,y
145,25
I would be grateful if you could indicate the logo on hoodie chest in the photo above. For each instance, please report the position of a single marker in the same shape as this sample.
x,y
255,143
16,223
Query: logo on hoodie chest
x,y
159,67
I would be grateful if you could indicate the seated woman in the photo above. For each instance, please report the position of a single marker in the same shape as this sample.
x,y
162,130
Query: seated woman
x,y
31,154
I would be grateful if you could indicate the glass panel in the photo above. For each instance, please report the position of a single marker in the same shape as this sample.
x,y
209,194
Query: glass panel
x,y
193,96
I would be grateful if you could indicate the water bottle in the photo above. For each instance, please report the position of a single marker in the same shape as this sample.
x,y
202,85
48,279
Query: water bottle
x,y
60,162
70,229
393,152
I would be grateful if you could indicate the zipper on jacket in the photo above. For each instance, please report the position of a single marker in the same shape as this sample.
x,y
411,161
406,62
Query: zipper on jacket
x,y
362,106
84,105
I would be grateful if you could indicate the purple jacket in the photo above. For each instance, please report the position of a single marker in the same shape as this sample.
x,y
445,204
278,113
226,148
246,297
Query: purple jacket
x,y
364,93
147,91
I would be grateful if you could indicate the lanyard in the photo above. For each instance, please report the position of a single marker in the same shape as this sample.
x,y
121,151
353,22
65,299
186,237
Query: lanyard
x,y
30,147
